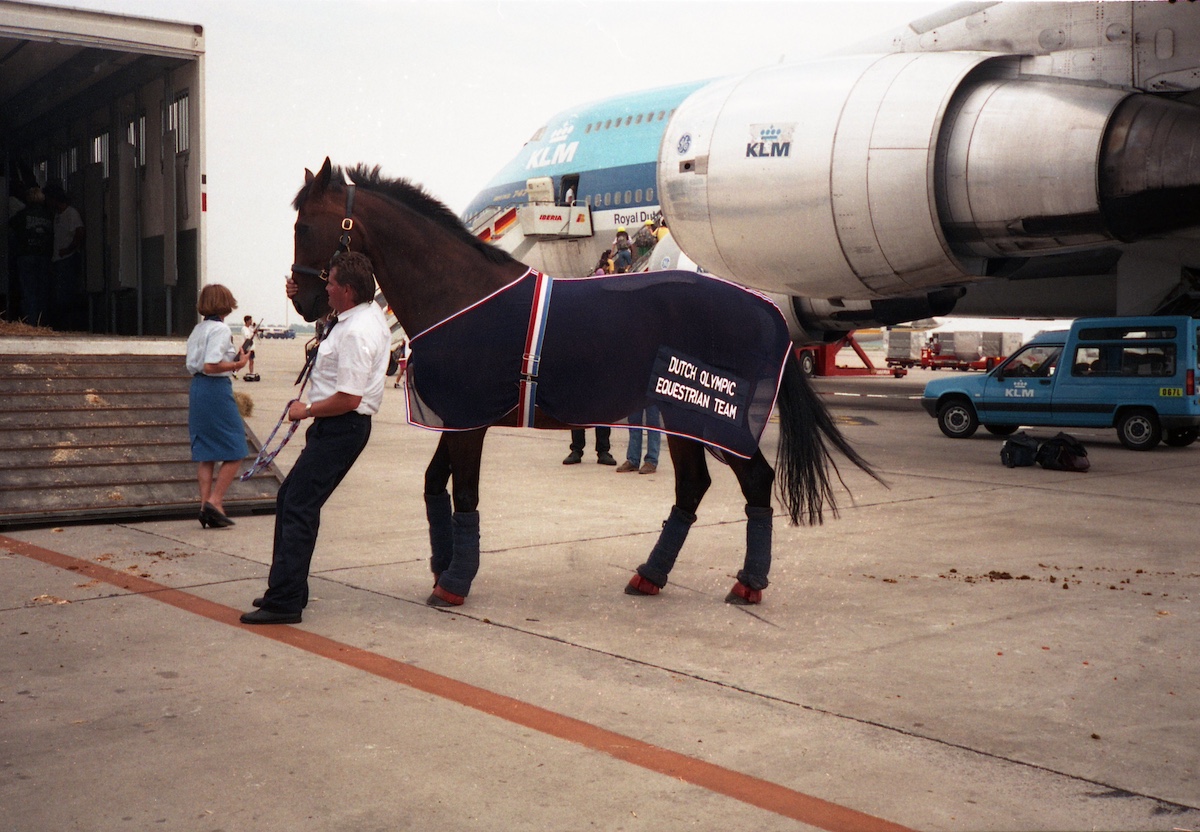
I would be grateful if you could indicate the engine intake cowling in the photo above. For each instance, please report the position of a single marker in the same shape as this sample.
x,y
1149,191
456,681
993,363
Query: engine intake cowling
x,y
816,179
884,176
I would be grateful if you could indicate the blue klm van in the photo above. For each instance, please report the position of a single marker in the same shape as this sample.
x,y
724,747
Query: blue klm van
x,y
1137,375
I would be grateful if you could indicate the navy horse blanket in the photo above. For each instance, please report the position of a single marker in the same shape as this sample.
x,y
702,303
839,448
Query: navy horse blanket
x,y
595,350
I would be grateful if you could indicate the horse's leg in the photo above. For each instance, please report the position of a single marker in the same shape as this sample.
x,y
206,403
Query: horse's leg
x,y
463,451
756,477
438,510
691,481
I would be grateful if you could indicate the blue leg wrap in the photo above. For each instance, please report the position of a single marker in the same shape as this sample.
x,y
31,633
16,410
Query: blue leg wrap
x,y
670,541
441,531
457,578
758,548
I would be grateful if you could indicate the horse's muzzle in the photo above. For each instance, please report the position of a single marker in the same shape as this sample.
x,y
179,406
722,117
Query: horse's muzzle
x,y
310,308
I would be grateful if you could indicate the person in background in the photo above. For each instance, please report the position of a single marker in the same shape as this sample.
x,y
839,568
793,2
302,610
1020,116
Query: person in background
x,y
66,265
345,390
605,264
662,230
645,239
579,442
401,356
633,451
33,231
624,251
249,331
214,423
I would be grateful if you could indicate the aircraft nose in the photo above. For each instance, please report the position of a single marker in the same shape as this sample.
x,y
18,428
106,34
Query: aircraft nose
x,y
1150,167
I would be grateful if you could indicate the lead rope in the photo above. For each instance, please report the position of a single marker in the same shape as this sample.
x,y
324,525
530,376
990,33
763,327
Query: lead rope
x,y
266,457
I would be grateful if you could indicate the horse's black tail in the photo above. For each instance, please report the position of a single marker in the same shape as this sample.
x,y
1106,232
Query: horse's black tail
x,y
805,432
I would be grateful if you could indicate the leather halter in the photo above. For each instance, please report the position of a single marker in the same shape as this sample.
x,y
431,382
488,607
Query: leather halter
x,y
343,242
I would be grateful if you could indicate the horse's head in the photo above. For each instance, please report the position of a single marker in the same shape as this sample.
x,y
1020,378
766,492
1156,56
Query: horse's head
x,y
320,211
427,263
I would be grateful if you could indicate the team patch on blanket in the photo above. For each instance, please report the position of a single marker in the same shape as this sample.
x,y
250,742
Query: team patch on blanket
x,y
708,353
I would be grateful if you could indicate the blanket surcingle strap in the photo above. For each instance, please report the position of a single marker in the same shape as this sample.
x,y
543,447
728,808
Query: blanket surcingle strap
x,y
708,353
534,338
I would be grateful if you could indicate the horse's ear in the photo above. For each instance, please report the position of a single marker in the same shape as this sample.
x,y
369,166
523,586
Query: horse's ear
x,y
308,177
321,181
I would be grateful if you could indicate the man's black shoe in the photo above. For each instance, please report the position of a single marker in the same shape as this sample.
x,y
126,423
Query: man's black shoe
x,y
261,616
258,602
605,458
573,458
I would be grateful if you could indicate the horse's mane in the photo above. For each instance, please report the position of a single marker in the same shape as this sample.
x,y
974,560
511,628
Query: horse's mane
x,y
412,197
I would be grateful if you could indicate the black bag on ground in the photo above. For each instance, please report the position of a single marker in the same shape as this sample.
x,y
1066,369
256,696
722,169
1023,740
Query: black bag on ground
x,y
1019,451
1063,453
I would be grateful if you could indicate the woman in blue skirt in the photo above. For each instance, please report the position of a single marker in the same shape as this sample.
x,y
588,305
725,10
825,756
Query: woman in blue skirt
x,y
214,423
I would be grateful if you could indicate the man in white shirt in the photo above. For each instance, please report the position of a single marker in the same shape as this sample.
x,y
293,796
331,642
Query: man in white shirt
x,y
345,390
249,332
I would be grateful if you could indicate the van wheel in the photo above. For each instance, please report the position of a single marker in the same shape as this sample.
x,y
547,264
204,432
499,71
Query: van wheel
x,y
957,419
1139,430
1001,430
1181,437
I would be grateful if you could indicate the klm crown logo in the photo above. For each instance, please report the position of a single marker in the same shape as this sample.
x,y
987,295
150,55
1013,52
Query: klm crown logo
x,y
562,133
770,141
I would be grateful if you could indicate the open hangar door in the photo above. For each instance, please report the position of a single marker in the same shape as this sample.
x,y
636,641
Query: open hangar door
x,y
111,108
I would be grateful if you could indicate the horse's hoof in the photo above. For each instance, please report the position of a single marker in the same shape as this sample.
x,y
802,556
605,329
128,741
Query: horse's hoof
x,y
640,586
442,598
743,595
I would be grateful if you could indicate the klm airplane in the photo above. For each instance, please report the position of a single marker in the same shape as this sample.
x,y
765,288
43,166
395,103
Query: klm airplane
x,y
1017,159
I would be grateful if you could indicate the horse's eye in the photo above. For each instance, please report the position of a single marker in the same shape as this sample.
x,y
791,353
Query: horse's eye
x,y
302,230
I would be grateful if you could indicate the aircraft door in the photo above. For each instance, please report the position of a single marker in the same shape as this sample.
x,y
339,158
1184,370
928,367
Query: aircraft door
x,y
1021,391
569,189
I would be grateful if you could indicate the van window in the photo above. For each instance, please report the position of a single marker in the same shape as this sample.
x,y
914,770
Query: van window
x,y
1125,360
1035,360
1124,333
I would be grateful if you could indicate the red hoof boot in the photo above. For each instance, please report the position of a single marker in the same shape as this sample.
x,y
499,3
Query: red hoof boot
x,y
640,586
442,598
743,595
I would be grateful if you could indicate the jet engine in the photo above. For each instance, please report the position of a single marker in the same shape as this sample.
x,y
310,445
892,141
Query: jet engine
x,y
894,176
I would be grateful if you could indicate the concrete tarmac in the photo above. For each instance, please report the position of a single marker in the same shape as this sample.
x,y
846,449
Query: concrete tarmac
x,y
974,647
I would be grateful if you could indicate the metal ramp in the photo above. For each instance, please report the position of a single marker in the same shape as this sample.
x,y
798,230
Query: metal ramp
x,y
91,436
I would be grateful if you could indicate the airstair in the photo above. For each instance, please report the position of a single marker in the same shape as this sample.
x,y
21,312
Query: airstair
x,y
524,230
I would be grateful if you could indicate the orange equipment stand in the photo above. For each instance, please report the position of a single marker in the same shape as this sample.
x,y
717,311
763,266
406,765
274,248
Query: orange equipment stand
x,y
824,361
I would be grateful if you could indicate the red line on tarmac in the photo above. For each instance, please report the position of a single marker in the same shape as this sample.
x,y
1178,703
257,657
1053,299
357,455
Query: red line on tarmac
x,y
743,787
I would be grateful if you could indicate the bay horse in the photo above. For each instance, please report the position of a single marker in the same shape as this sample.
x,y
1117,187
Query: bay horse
x,y
446,287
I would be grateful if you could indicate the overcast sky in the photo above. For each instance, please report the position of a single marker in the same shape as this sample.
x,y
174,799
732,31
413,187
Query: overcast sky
x,y
444,93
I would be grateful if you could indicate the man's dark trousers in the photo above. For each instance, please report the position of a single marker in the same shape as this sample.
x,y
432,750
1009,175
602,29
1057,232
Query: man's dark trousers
x,y
603,441
331,446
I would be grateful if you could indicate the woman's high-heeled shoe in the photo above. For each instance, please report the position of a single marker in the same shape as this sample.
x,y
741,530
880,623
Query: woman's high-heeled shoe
x,y
203,518
215,518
